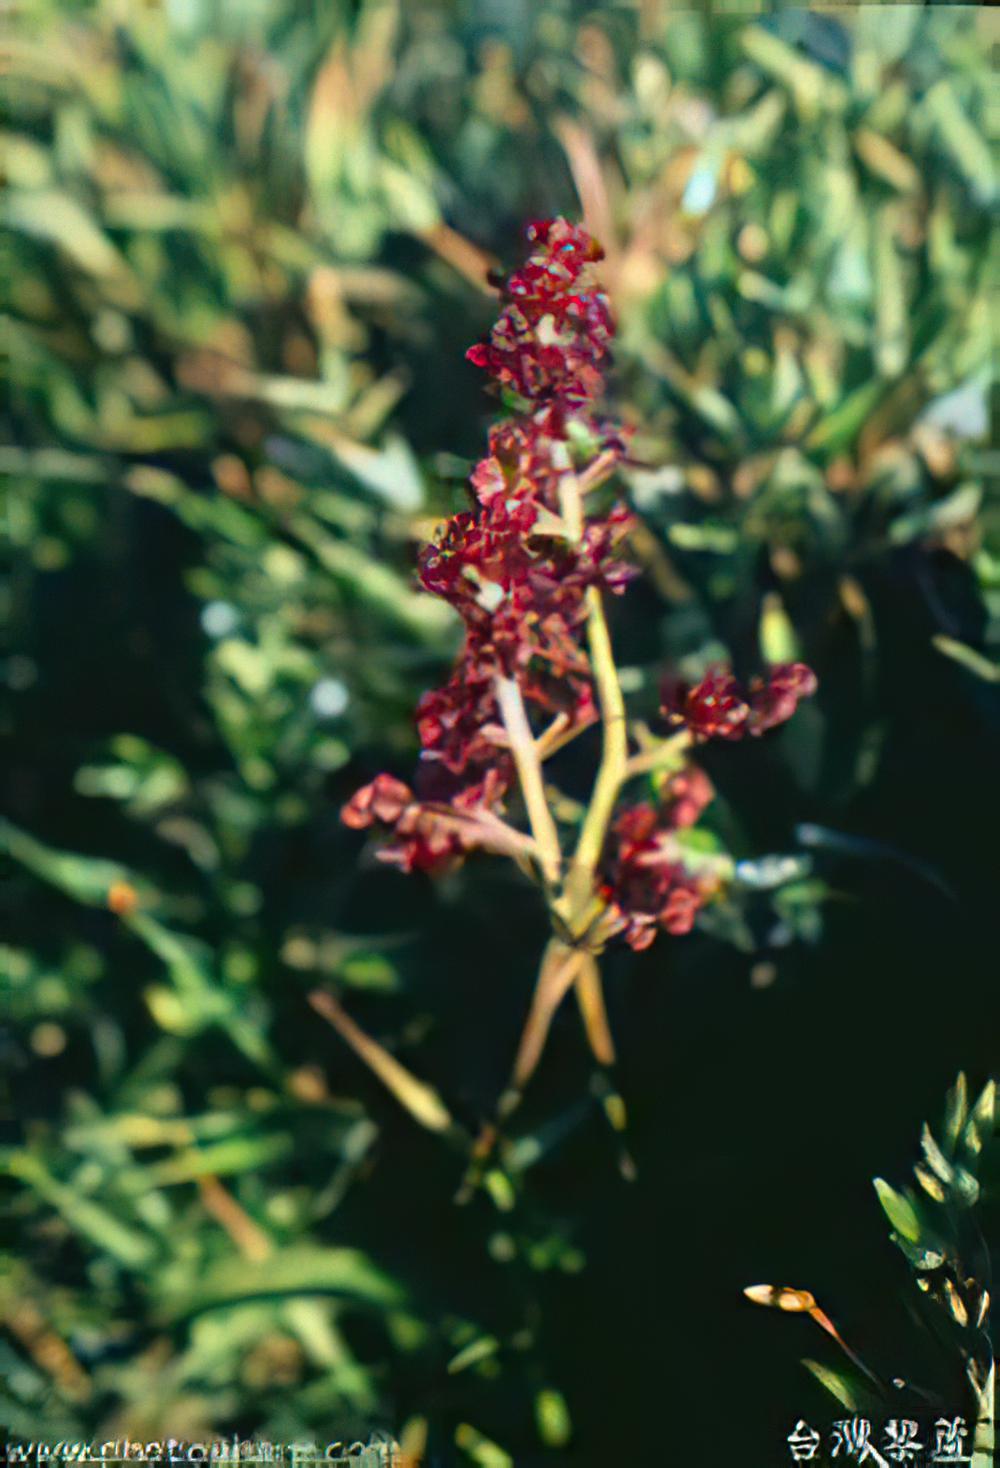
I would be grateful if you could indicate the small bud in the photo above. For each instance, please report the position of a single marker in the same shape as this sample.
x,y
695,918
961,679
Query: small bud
x,y
123,899
781,1297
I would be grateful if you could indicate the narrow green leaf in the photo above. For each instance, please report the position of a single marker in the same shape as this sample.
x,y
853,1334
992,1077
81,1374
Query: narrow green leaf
x,y
935,1156
966,145
481,1450
969,658
86,879
301,1270
478,1350
555,1427
97,1224
956,1111
837,1384
899,1211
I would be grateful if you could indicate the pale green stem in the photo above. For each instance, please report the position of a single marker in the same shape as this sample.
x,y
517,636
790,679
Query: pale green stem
x,y
420,1100
661,756
614,755
552,738
596,472
571,508
564,967
590,997
556,975
529,773
560,967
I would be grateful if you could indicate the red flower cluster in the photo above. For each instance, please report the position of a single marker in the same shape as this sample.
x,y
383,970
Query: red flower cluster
x,y
510,566
428,836
646,882
720,708
555,328
518,568
521,596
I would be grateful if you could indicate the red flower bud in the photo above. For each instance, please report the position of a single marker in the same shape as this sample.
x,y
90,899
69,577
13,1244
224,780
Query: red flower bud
x,y
646,883
383,801
775,699
720,708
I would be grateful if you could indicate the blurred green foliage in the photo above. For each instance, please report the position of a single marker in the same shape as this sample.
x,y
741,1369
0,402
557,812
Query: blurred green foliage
x,y
246,250
939,1233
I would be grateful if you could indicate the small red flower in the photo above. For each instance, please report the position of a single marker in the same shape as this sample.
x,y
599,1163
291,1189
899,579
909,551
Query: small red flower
x,y
424,841
681,908
435,831
555,328
774,700
646,883
720,708
687,794
715,708
459,723
421,843
383,802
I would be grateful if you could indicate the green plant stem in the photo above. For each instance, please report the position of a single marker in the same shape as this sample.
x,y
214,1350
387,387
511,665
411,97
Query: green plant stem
x,y
559,969
557,974
660,756
614,754
590,997
420,1100
569,967
571,507
529,773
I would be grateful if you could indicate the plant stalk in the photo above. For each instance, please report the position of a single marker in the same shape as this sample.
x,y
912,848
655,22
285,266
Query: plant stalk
x,y
614,755
529,773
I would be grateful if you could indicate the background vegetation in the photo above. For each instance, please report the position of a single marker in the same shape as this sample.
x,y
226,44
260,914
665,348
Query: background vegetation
x,y
246,251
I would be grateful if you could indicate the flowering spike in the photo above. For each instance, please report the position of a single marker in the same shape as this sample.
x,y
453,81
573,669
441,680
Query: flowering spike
x,y
555,328
528,569
511,567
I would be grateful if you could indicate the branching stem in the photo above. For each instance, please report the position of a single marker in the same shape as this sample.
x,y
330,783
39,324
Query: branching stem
x,y
661,755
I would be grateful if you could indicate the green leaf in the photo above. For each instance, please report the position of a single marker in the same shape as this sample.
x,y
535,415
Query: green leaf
x,y
480,1449
839,428
478,1350
98,1225
967,147
935,1156
958,508
61,220
86,879
956,1112
891,317
982,1119
235,1157
980,666
390,472
303,1269
708,536
899,1211
776,632
555,1427
837,1384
